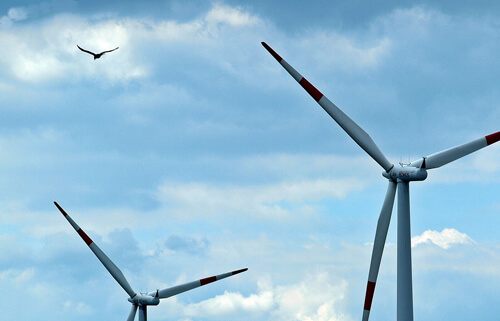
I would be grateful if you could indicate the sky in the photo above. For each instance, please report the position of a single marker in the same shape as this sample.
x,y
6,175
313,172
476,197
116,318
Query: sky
x,y
190,152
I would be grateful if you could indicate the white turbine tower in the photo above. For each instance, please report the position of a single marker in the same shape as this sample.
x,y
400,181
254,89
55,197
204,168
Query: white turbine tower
x,y
140,300
399,177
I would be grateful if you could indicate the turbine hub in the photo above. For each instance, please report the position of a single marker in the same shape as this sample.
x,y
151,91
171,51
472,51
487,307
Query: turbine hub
x,y
144,299
406,173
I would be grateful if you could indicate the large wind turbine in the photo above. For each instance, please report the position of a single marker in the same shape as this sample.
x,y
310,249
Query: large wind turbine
x,y
140,300
399,177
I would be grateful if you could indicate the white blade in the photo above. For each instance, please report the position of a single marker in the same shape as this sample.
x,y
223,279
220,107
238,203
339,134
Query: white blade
x,y
132,313
449,155
378,246
348,125
108,264
168,292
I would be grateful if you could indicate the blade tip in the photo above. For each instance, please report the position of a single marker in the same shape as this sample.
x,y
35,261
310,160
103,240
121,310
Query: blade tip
x,y
63,212
272,52
240,271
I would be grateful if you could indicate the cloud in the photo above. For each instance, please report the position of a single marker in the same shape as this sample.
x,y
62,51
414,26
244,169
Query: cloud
x,y
231,304
81,308
344,52
187,244
17,13
13,15
48,52
451,251
17,277
445,239
51,54
223,14
121,239
266,180
314,298
268,201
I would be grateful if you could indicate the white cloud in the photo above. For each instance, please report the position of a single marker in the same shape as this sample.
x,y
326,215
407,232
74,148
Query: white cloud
x,y
77,308
232,304
313,299
18,277
418,20
440,251
257,201
13,15
48,52
288,185
445,239
343,52
189,245
232,16
17,13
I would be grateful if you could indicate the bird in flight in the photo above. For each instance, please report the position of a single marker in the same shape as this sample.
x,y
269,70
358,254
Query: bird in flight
x,y
98,55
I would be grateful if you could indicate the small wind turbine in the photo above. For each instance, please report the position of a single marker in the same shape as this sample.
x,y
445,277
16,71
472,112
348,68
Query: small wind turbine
x,y
140,300
399,177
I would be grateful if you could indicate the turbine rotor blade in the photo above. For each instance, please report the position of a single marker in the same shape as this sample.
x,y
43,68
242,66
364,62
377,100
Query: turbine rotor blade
x,y
449,155
108,264
348,125
378,246
168,292
132,313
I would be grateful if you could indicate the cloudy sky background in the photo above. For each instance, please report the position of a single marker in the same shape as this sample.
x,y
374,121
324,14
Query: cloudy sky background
x,y
190,152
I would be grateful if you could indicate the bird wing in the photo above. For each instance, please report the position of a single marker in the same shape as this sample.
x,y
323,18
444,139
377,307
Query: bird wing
x,y
102,53
89,52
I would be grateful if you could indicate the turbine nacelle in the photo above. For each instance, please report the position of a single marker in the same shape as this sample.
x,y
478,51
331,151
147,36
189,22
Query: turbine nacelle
x,y
406,173
144,299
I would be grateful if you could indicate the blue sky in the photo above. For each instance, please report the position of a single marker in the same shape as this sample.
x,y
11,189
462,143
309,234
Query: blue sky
x,y
190,152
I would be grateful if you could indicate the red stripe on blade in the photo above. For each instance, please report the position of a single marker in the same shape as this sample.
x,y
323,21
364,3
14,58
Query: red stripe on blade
x,y
208,280
239,271
370,289
85,237
316,94
272,52
493,138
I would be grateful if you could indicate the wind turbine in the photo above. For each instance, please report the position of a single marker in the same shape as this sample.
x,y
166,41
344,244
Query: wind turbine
x,y
399,177
140,300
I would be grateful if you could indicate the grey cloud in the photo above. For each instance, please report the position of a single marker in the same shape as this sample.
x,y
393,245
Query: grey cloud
x,y
187,244
124,249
